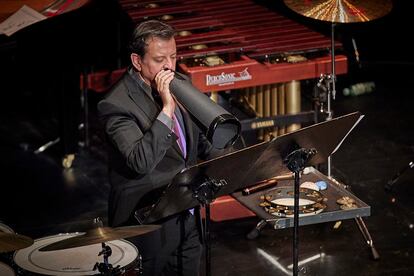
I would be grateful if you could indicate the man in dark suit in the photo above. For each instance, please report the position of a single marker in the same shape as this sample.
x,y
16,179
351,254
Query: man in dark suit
x,y
151,139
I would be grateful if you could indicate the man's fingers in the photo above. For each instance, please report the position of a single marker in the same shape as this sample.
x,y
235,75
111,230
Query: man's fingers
x,y
163,80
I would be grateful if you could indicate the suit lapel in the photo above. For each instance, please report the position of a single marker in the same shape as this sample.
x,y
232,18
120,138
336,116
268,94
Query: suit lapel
x,y
142,100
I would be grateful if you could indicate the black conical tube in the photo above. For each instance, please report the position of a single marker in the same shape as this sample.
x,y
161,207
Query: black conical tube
x,y
221,128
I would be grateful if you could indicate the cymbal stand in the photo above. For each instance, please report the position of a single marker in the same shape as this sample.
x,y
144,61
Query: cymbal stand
x,y
331,80
295,162
327,83
106,268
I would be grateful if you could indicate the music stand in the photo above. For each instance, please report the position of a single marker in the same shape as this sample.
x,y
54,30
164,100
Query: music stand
x,y
202,183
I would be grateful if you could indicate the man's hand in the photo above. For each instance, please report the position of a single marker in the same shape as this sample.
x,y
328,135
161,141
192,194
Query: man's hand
x,y
162,81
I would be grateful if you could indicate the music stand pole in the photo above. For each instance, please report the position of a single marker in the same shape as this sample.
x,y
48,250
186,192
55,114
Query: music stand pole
x,y
296,162
204,191
296,226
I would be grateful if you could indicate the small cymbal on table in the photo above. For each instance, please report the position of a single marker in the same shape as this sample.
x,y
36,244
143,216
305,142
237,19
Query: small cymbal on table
x,y
341,11
101,234
11,242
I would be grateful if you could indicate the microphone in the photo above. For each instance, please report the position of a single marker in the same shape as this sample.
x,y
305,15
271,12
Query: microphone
x,y
221,128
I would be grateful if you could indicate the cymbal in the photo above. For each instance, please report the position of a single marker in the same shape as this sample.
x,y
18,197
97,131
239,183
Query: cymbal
x,y
11,242
341,11
99,235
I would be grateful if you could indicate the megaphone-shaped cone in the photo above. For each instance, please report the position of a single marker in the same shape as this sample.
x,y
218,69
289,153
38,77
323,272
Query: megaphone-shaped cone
x,y
221,128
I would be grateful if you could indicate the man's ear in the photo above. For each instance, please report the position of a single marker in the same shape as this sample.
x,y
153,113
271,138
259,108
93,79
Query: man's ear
x,y
136,61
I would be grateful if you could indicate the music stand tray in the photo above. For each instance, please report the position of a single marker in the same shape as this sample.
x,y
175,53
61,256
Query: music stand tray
x,y
335,190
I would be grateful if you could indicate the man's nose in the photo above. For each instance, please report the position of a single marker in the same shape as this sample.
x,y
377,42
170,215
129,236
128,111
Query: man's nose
x,y
168,64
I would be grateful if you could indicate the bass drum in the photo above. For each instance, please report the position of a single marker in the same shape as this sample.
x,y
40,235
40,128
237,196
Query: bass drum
x,y
78,260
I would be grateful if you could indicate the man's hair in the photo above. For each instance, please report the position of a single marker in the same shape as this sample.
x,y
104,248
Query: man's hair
x,y
147,30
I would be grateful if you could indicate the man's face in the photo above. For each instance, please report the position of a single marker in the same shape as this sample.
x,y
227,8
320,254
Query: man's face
x,y
160,54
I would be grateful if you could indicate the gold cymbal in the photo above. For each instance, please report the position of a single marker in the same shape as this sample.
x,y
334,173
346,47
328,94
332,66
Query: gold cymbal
x,y
11,242
99,235
341,11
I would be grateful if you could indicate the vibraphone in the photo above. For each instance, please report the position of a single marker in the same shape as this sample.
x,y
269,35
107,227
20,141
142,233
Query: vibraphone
x,y
243,47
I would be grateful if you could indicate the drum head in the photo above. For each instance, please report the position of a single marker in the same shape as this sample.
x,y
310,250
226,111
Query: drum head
x,y
6,270
73,261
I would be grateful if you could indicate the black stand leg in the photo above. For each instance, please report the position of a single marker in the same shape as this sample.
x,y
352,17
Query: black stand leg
x,y
256,231
207,246
364,231
69,108
85,109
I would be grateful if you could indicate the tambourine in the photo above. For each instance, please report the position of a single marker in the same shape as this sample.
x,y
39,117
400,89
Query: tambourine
x,y
280,202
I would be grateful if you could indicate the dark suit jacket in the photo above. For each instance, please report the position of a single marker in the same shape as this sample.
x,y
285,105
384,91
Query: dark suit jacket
x,y
143,152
